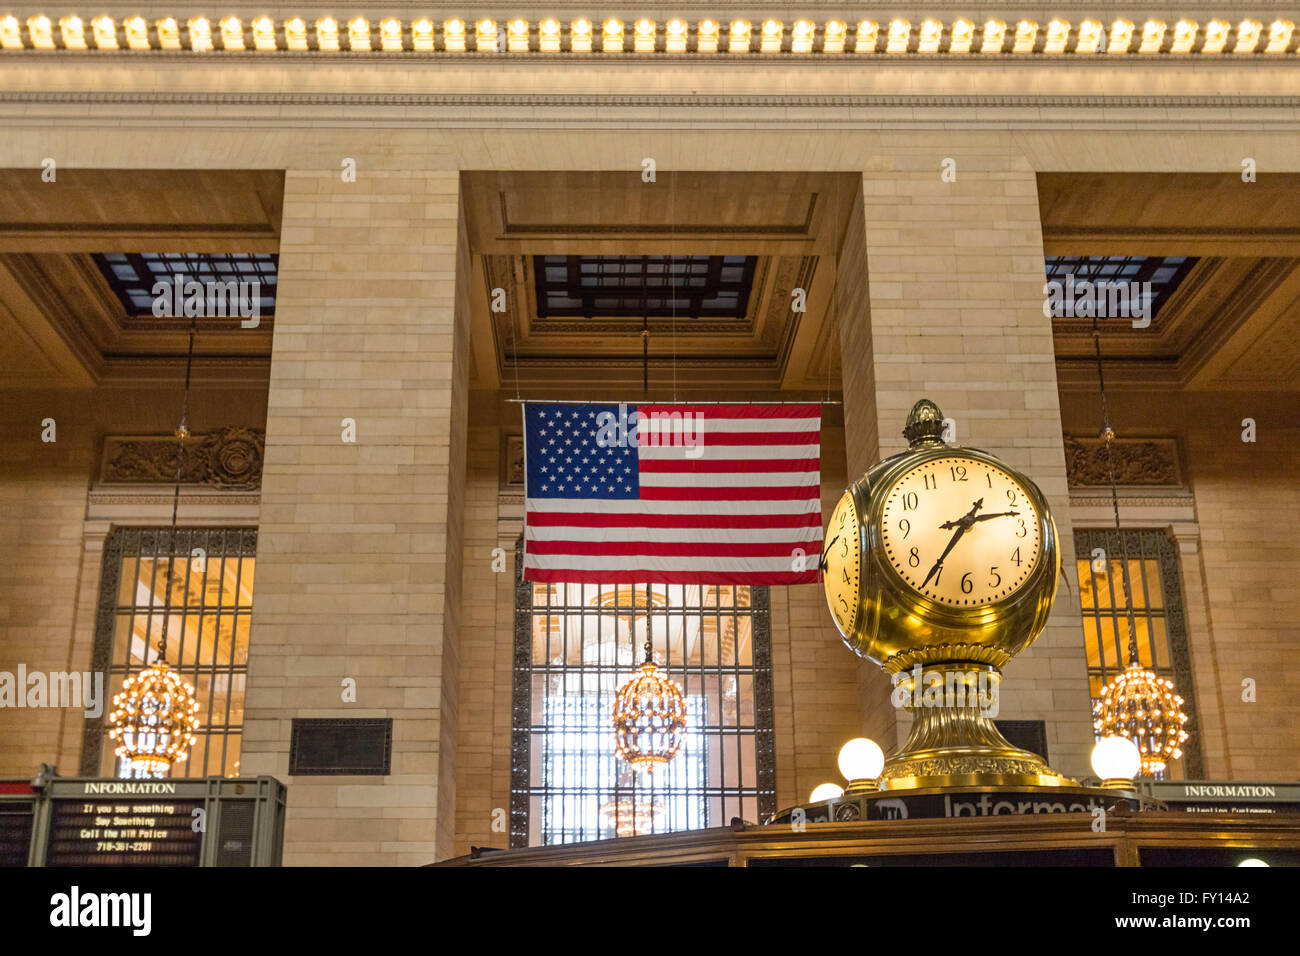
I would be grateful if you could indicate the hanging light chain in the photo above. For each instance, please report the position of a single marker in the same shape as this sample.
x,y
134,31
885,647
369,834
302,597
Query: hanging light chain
x,y
1108,436
182,432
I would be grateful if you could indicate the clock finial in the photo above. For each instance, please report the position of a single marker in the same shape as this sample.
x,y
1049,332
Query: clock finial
x,y
924,424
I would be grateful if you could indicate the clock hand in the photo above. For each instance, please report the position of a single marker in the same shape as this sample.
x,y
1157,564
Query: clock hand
x,y
967,519
956,536
1000,514
821,565
962,524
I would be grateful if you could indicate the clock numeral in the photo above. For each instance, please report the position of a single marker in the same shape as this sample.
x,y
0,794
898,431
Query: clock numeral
x,y
846,576
1011,496
845,604
988,476
958,472
1016,557
938,576
931,482
914,559
909,501
997,578
1023,530
906,527
967,585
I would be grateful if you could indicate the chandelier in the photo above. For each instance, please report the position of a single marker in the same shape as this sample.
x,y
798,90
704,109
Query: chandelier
x,y
155,716
154,720
1143,707
631,817
1136,703
649,717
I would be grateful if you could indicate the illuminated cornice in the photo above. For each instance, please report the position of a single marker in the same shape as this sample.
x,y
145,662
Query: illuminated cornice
x,y
724,37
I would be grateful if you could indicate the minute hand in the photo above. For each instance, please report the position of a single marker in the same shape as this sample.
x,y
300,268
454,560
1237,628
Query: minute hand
x,y
961,530
1000,514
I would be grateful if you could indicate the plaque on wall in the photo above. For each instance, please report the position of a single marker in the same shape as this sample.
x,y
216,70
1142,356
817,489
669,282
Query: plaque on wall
x,y
1028,735
341,745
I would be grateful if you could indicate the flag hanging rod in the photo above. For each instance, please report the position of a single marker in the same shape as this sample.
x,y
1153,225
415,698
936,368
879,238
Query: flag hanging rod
x,y
606,401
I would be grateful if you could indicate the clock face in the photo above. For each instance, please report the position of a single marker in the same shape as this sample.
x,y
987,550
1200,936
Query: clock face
x,y
961,532
842,575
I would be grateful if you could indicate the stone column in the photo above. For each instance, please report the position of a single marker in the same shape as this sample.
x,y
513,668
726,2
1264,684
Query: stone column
x,y
359,553
950,307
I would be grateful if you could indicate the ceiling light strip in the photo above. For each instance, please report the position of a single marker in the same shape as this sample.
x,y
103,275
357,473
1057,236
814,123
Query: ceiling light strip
x,y
798,37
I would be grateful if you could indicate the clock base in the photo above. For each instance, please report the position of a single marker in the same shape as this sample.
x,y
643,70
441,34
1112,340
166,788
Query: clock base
x,y
954,743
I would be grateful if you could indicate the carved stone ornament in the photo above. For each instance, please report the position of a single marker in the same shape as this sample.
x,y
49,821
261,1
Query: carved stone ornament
x,y
230,458
514,460
1137,461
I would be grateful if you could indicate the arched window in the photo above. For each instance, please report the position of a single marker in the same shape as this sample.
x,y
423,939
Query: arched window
x,y
575,644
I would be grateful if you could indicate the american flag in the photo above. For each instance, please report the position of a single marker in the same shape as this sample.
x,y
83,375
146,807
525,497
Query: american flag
x,y
672,494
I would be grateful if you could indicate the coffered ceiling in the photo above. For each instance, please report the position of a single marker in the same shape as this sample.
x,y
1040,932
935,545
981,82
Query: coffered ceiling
x,y
1233,322
63,325
790,222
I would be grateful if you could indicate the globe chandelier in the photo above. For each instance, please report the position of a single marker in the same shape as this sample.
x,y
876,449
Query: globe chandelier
x,y
649,717
1137,703
155,716
632,817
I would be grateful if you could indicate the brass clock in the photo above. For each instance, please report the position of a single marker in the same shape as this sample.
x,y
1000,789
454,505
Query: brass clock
x,y
940,553
940,565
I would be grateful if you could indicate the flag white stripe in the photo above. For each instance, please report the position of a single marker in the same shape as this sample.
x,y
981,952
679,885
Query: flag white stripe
x,y
633,507
703,451
679,535
591,562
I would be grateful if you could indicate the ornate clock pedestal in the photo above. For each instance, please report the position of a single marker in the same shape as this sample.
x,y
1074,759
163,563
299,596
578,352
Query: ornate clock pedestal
x,y
940,566
953,742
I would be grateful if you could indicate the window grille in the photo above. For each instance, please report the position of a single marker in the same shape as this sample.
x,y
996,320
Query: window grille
x,y
1165,273
132,275
1161,627
208,636
575,644
636,286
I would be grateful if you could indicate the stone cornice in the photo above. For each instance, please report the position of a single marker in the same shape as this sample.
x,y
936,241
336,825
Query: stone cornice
x,y
748,112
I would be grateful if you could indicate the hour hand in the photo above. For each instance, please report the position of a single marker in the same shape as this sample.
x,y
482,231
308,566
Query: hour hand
x,y
966,520
821,565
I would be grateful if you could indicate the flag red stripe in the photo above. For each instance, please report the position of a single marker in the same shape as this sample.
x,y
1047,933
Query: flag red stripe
x,y
677,549
737,465
706,438
575,519
738,411
774,493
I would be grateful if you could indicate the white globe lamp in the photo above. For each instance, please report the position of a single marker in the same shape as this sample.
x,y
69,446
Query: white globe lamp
x,y
1116,760
861,761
